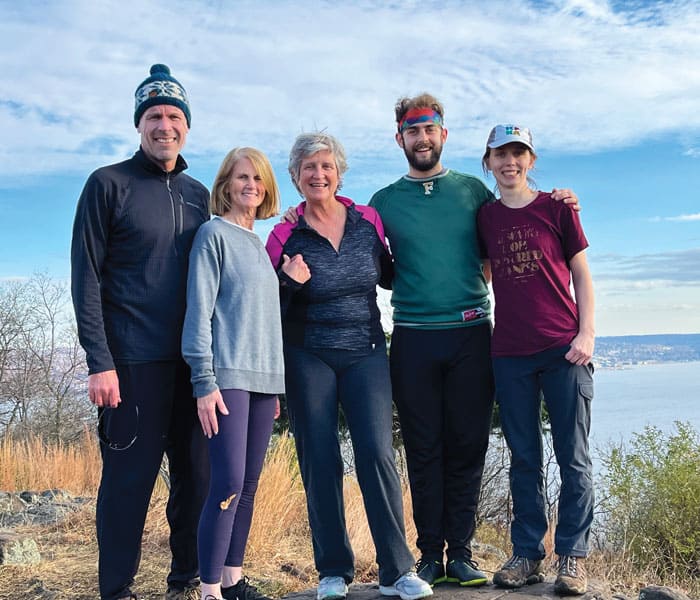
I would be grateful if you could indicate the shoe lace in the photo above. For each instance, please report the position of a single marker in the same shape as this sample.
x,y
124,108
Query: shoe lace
x,y
472,563
514,562
191,593
422,563
568,566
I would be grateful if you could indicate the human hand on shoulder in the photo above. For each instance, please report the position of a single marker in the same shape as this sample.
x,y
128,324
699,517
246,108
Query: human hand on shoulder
x,y
567,196
103,389
290,215
296,268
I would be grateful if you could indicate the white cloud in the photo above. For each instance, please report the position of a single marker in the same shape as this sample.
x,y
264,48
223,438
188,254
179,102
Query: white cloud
x,y
585,75
676,219
684,218
621,274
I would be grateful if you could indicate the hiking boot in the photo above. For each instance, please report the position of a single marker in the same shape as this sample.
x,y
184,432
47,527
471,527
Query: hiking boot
x,y
330,588
242,590
518,571
431,571
571,576
465,573
408,587
189,592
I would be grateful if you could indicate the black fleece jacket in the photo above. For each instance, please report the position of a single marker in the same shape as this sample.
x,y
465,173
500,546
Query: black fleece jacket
x,y
133,230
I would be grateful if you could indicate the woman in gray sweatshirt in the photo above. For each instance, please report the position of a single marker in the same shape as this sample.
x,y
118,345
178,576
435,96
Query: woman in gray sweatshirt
x,y
232,341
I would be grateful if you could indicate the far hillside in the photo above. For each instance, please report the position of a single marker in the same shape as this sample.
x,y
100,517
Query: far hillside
x,y
635,349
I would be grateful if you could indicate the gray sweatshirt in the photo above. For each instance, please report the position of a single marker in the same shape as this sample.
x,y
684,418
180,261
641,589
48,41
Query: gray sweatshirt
x,y
232,337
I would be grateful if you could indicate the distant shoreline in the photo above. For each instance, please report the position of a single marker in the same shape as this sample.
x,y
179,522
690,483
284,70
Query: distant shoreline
x,y
630,365
616,352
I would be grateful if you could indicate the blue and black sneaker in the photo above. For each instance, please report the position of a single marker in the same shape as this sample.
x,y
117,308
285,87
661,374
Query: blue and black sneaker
x,y
431,570
465,572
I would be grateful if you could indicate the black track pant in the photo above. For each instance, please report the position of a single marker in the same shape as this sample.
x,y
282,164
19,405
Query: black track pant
x,y
443,390
166,422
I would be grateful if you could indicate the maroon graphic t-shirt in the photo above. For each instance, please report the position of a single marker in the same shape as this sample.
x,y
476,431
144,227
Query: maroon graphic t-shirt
x,y
530,249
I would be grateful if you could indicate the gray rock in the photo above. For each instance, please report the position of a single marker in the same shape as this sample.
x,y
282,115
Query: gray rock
x,y
56,496
660,592
29,497
49,514
37,508
489,551
370,591
18,550
11,503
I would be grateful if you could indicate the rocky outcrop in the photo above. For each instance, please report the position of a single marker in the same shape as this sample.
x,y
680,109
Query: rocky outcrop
x,y
37,508
660,592
369,591
31,508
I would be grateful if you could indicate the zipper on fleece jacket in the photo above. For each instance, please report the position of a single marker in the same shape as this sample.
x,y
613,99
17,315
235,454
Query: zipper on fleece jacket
x,y
178,217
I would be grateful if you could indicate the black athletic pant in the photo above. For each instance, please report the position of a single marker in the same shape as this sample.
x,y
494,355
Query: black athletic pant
x,y
166,422
443,390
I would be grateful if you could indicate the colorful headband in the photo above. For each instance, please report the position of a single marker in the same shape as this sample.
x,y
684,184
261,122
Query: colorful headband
x,y
419,115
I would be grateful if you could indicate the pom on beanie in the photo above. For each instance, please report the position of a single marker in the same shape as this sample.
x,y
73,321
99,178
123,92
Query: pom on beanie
x,y
160,88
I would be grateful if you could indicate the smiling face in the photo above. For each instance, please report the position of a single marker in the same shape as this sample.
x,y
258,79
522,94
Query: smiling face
x,y
510,165
422,145
318,177
163,130
246,189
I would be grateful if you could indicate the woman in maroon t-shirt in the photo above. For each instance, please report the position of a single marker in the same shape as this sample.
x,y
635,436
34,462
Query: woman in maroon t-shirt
x,y
542,345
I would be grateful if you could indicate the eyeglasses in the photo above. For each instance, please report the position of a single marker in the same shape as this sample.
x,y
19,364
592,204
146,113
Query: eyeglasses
x,y
112,444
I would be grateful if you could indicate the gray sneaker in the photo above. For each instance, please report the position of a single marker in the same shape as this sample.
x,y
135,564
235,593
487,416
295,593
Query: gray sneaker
x,y
518,571
330,588
408,587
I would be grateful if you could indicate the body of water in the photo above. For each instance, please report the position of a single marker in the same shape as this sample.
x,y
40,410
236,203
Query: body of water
x,y
628,399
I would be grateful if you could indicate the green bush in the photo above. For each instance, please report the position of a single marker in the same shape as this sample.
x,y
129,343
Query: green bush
x,y
651,501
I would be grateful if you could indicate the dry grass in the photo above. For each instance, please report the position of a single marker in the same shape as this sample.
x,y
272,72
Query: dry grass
x,y
33,465
279,557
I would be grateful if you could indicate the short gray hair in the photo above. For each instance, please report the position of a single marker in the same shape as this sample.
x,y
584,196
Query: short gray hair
x,y
308,144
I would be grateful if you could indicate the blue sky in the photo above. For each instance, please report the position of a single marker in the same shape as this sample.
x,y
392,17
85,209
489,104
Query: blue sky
x,y
611,91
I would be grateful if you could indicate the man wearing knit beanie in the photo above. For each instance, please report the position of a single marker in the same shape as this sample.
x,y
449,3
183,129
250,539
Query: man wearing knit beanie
x,y
132,234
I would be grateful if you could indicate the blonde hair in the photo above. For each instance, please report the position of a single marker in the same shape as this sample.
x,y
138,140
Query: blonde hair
x,y
221,202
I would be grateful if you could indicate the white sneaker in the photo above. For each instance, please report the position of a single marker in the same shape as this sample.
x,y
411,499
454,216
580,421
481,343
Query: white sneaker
x,y
330,588
409,587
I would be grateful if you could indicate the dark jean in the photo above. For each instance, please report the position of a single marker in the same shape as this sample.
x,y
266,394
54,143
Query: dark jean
x,y
568,391
236,454
443,390
318,382
167,422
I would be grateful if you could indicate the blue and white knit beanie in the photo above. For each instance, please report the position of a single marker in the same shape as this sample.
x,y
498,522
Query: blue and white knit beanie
x,y
160,88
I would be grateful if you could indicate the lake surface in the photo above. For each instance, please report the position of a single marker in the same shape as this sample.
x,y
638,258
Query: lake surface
x,y
628,399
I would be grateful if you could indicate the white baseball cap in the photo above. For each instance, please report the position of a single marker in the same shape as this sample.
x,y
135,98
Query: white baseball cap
x,y
505,134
